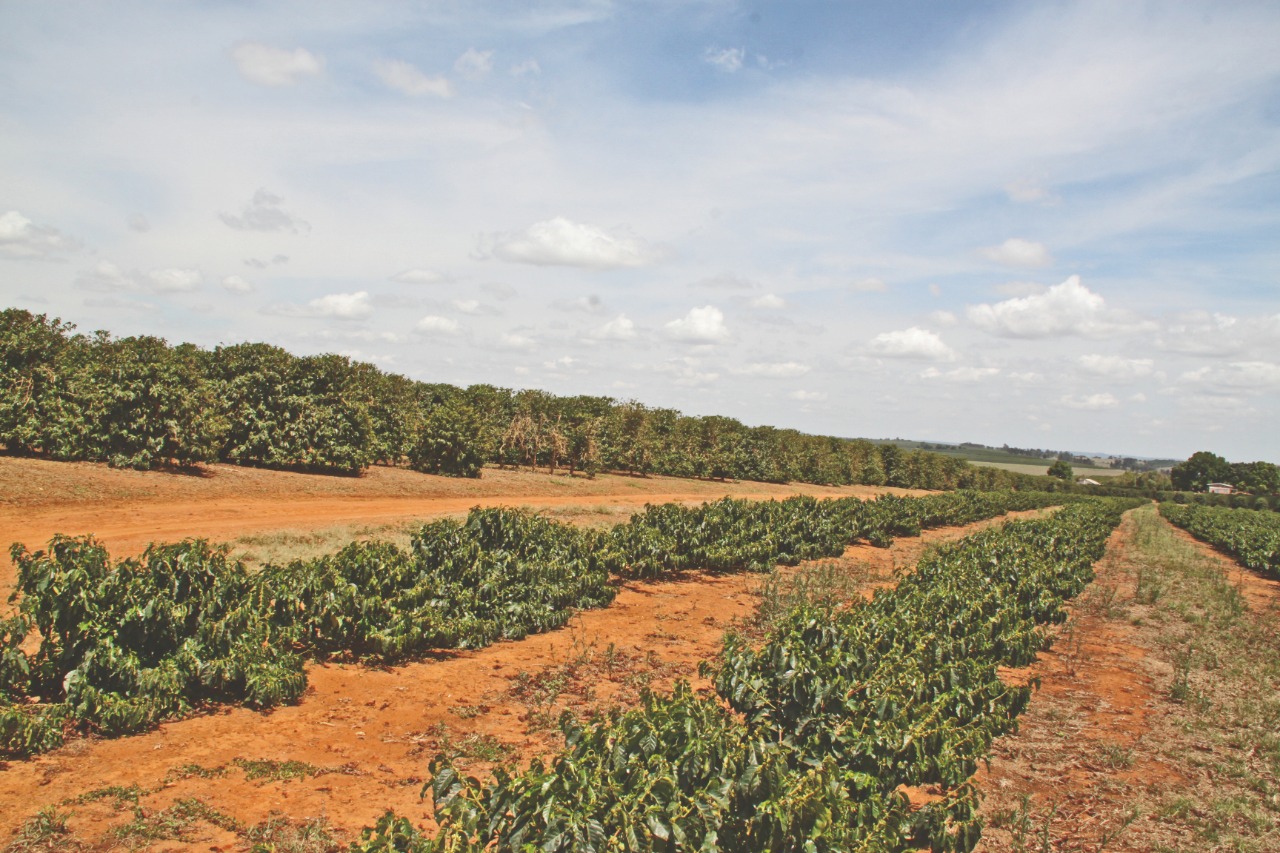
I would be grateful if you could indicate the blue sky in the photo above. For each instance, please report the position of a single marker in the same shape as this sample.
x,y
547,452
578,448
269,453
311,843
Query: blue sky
x,y
1041,224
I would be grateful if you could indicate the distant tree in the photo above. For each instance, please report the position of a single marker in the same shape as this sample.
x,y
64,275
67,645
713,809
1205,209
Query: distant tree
x,y
1062,470
1199,471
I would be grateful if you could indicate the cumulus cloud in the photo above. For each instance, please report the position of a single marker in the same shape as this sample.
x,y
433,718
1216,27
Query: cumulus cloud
x,y
727,59
173,280
259,264
914,343
943,318
264,213
1017,252
685,372
419,276
529,66
808,396
774,370
560,242
1115,367
961,374
1247,376
274,66
769,302
23,239
703,325
1090,402
1065,309
106,276
620,328
433,325
474,64
515,340
342,306
236,284
408,80
1200,333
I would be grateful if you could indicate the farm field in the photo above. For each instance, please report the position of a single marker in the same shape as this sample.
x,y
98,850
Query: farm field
x,y
360,739
1132,775
1040,469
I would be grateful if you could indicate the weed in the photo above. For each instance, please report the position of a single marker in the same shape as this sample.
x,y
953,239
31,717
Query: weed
x,y
275,771
278,834
46,831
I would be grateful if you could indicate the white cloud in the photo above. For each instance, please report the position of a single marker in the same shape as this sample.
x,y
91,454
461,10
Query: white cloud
x,y
560,242
774,370
236,284
106,276
529,66
264,213
515,340
868,285
342,306
808,396
915,343
1115,367
769,302
274,66
418,276
408,80
1017,252
23,239
1064,309
1248,376
727,59
434,325
685,372
620,328
468,306
175,280
1221,335
703,325
961,374
474,64
1091,402
943,318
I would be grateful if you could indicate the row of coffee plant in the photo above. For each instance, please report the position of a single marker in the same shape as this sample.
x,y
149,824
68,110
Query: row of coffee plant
x,y
138,402
810,738
1251,536
122,645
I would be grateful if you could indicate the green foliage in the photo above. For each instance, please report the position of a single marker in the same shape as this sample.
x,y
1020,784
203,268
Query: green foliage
x,y
1199,471
833,714
307,414
1251,536
445,442
1061,469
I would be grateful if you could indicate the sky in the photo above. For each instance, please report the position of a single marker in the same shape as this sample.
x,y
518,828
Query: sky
x,y
1042,224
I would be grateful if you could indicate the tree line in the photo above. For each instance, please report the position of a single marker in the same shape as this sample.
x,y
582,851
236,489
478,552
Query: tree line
x,y
138,402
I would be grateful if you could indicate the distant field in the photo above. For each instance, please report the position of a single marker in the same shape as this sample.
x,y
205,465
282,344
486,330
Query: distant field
x,y
1028,468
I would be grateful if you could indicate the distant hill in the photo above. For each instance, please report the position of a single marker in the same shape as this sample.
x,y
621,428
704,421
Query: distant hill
x,y
1023,459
